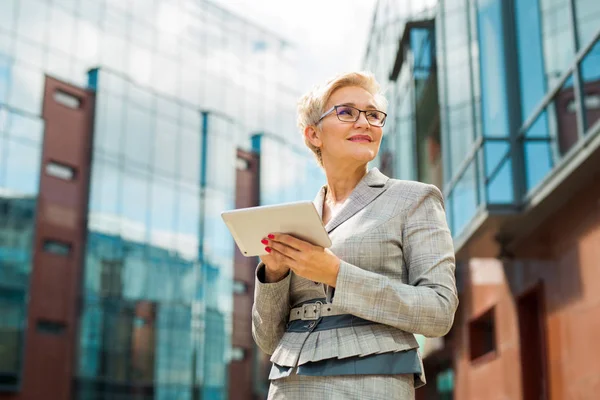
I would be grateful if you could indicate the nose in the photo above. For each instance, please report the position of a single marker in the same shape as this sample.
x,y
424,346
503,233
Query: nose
x,y
362,119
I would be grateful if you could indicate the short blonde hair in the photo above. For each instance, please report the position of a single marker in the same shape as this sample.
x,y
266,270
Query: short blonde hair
x,y
312,105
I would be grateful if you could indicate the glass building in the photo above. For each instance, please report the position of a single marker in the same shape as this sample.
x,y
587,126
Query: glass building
x,y
179,86
496,102
490,98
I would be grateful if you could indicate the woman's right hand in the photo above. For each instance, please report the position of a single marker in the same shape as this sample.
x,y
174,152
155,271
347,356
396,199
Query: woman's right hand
x,y
275,270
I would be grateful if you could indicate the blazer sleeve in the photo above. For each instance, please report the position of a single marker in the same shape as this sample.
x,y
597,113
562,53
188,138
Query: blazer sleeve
x,y
426,305
270,311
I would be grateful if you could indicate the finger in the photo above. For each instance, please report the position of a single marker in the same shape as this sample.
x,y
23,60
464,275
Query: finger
x,y
282,258
284,249
291,241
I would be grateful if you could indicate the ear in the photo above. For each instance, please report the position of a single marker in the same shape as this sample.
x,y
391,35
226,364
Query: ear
x,y
313,136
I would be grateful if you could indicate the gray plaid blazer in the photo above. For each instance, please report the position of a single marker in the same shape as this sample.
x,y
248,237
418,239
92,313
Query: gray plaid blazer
x,y
397,270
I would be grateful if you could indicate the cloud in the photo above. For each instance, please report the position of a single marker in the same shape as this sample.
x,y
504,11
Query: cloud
x,y
329,36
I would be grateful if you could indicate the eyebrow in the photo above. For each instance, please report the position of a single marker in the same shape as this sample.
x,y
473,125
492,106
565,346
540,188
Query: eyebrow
x,y
369,106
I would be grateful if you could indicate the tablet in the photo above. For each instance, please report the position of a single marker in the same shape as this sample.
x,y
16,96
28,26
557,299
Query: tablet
x,y
249,226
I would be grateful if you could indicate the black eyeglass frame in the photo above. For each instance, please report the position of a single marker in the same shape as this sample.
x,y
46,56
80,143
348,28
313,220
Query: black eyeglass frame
x,y
334,108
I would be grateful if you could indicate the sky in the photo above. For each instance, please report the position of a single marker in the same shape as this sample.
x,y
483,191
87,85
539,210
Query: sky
x,y
330,35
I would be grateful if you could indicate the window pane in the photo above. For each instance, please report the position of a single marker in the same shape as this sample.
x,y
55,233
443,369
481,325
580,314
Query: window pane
x,y
531,67
5,77
33,20
590,77
27,90
23,127
500,188
493,73
165,146
464,200
110,114
538,162
23,168
565,116
138,136
7,15
587,14
557,38
494,153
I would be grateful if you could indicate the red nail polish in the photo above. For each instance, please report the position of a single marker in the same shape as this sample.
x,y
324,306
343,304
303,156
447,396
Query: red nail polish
x,y
268,249
271,236
264,241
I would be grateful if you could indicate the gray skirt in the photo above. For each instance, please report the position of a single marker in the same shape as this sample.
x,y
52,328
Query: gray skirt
x,y
346,387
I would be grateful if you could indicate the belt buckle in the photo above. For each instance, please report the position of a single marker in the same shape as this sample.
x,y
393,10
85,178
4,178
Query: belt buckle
x,y
315,308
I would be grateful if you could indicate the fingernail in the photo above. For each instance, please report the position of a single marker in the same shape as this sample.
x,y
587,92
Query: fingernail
x,y
271,236
268,249
264,241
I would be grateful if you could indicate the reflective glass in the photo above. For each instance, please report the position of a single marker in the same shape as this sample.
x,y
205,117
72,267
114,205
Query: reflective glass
x,y
138,136
23,167
189,156
166,137
26,92
493,73
590,77
61,39
587,15
14,313
557,37
455,25
25,127
500,187
7,14
529,48
86,41
538,162
32,22
564,117
135,199
464,204
59,65
539,129
29,53
5,77
494,153
110,122
460,120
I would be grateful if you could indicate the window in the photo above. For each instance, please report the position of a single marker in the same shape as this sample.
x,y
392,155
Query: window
x,y
12,309
240,287
57,247
60,171
238,354
67,99
482,336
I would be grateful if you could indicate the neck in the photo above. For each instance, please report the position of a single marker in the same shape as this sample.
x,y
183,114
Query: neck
x,y
341,182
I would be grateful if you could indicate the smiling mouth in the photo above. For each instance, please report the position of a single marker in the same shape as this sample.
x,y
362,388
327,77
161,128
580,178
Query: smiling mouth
x,y
360,139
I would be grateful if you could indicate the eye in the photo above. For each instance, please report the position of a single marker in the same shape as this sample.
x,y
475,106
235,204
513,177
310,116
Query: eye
x,y
374,115
344,111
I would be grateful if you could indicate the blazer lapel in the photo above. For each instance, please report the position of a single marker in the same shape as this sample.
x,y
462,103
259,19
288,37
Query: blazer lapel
x,y
319,200
367,190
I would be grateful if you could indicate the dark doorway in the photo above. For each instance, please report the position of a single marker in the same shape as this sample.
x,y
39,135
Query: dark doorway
x,y
532,319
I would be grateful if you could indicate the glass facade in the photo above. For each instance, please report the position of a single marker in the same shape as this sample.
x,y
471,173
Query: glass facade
x,y
518,86
180,85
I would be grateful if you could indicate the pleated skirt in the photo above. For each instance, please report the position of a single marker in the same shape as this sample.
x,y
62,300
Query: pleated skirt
x,y
347,387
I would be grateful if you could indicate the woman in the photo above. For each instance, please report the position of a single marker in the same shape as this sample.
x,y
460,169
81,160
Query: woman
x,y
339,322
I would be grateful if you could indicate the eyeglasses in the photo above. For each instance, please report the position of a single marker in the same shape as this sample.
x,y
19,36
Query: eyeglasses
x,y
352,114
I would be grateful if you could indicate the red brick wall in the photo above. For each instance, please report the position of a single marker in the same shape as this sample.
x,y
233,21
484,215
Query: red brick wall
x,y
564,256
50,354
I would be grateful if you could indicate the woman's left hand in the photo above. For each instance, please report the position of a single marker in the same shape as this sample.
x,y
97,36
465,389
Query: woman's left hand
x,y
305,259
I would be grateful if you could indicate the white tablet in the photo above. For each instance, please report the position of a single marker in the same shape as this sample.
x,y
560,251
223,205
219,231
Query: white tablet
x,y
249,226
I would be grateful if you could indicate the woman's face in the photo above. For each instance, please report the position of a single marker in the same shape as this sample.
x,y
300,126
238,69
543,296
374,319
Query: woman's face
x,y
349,143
